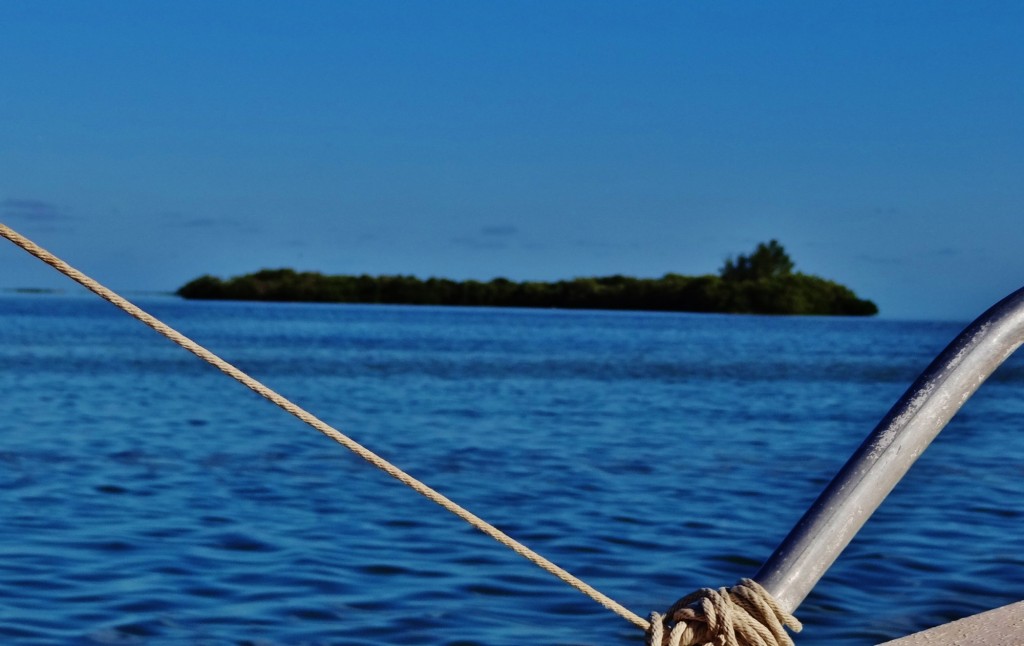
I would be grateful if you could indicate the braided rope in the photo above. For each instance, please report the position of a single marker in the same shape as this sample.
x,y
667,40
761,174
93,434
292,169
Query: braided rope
x,y
744,615
322,426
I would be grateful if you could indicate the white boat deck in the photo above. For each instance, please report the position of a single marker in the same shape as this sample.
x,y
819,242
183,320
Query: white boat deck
x,y
1000,627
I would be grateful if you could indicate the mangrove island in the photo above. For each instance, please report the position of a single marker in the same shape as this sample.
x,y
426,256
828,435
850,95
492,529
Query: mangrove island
x,y
763,282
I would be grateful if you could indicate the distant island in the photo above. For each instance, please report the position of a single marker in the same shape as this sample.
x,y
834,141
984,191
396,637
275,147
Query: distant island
x,y
763,282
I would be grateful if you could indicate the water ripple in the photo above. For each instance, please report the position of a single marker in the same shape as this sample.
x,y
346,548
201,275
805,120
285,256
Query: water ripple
x,y
147,500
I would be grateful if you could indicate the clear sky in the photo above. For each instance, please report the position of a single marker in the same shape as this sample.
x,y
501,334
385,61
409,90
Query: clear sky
x,y
882,143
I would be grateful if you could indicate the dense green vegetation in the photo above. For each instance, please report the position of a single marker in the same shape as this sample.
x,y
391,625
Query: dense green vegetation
x,y
762,283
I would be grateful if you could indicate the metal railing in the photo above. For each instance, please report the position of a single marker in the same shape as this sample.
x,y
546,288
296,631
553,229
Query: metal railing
x,y
886,455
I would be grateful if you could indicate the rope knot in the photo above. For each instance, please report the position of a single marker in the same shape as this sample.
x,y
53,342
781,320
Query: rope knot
x,y
743,615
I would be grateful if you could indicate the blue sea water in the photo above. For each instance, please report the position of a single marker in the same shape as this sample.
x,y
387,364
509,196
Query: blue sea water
x,y
147,499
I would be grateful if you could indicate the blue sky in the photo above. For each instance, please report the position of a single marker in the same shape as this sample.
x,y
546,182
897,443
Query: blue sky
x,y
882,143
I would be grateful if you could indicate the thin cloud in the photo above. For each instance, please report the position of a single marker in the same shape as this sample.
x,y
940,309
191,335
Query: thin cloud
x,y
489,238
874,259
198,223
499,230
603,245
480,243
32,210
179,221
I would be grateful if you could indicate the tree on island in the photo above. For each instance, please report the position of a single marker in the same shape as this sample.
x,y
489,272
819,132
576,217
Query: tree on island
x,y
767,262
763,282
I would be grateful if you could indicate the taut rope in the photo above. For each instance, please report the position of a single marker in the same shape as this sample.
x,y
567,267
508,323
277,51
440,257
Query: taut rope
x,y
321,426
704,617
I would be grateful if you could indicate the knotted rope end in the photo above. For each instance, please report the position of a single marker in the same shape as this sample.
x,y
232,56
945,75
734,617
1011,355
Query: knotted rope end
x,y
743,615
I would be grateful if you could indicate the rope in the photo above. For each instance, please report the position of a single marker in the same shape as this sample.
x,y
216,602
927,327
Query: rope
x,y
744,615
322,426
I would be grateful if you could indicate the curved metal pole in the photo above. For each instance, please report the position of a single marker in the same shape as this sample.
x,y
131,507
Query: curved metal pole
x,y
895,444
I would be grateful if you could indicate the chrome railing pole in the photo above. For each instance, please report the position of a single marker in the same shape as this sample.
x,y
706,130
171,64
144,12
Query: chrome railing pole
x,y
882,460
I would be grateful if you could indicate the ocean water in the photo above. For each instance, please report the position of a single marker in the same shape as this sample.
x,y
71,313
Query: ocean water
x,y
147,499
